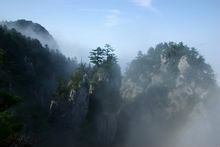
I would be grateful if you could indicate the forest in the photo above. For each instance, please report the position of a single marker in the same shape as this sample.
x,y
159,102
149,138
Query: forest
x,y
50,100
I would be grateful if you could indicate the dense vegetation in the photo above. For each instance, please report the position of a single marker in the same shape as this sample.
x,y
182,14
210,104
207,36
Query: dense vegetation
x,y
33,30
27,71
163,88
49,100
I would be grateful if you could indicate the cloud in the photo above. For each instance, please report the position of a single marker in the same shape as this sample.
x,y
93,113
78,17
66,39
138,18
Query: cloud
x,y
113,18
146,4
143,3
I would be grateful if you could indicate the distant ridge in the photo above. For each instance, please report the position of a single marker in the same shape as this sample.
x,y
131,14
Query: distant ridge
x,y
33,30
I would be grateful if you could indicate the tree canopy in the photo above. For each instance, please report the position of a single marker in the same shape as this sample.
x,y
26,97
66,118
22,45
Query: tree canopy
x,y
105,55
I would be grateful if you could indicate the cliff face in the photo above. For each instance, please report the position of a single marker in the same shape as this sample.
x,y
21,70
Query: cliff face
x,y
164,89
71,110
89,105
106,126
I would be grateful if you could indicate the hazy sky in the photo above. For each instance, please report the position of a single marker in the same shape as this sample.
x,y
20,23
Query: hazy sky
x,y
128,25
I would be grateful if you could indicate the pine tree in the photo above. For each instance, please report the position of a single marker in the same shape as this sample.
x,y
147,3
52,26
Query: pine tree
x,y
110,56
97,56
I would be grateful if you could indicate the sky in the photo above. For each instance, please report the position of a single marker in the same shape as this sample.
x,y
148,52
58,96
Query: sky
x,y
128,25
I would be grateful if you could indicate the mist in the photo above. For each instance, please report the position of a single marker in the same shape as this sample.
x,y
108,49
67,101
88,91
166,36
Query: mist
x,y
202,128
129,73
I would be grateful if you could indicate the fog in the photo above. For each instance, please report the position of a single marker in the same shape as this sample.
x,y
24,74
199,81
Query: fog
x,y
200,129
72,46
33,30
166,95
159,114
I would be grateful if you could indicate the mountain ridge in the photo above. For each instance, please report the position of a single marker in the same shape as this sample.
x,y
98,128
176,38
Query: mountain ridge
x,y
32,30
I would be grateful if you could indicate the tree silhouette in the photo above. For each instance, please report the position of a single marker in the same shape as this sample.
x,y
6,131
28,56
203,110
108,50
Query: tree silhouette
x,y
97,56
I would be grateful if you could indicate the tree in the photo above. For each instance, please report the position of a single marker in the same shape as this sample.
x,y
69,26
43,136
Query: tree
x,y
164,87
103,56
109,54
1,55
97,56
28,72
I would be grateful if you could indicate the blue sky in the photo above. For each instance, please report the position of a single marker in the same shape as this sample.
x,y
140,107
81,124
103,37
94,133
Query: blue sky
x,y
128,25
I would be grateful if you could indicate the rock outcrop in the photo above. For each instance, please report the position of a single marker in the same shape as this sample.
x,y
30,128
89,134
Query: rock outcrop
x,y
73,109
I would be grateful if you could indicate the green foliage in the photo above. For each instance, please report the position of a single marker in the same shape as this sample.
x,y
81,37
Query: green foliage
x,y
110,56
106,81
102,81
27,69
96,56
167,86
146,65
10,126
61,91
104,55
28,64
77,77
7,100
163,85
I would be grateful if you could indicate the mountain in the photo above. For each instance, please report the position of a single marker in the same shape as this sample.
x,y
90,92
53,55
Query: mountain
x,y
166,89
28,76
33,30
167,96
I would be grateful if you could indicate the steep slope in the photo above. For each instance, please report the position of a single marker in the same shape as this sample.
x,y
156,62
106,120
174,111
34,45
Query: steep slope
x,y
28,74
166,89
88,103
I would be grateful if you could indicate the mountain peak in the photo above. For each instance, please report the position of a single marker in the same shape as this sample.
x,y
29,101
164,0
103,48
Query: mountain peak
x,y
33,30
